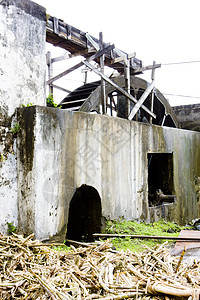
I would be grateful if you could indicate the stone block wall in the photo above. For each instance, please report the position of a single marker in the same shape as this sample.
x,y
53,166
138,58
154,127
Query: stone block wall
x,y
188,116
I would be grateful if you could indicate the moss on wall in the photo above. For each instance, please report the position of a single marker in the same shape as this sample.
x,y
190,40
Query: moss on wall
x,y
26,118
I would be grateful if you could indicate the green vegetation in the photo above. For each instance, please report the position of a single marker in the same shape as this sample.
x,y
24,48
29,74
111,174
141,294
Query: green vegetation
x,y
28,105
2,158
160,228
50,102
121,226
15,129
11,228
61,248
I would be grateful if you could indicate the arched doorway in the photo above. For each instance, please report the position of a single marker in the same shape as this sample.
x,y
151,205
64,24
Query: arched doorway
x,y
84,214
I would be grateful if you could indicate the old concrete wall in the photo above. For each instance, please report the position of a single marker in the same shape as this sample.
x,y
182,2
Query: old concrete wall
x,y
22,50
188,116
22,81
71,149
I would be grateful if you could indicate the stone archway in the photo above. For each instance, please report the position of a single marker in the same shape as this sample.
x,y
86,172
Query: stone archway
x,y
84,214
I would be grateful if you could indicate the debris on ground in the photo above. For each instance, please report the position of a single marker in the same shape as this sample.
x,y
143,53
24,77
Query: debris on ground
x,y
32,270
188,244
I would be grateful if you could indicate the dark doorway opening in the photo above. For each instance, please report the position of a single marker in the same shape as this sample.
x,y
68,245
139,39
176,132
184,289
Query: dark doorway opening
x,y
84,214
160,178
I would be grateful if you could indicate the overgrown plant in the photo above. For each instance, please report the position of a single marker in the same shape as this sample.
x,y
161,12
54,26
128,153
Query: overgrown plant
x,y
11,228
15,129
2,158
50,102
28,105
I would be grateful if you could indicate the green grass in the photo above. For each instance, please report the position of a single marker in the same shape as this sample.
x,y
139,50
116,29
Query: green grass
x,y
121,226
160,228
63,248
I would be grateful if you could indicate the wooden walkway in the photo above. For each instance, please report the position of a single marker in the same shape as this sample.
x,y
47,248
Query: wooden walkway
x,y
81,43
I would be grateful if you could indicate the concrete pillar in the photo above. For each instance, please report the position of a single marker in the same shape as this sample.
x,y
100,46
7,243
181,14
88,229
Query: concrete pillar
x,y
22,81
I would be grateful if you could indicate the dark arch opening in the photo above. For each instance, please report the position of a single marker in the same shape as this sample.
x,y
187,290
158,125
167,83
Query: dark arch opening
x,y
84,214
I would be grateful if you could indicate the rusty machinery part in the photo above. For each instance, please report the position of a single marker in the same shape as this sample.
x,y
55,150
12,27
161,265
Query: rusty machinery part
x,y
161,197
87,98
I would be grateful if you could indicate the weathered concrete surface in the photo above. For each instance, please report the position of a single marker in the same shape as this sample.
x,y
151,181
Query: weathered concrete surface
x,y
188,116
22,50
110,154
22,81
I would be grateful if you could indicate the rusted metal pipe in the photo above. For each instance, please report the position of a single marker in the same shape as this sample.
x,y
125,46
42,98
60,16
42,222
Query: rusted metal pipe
x,y
103,235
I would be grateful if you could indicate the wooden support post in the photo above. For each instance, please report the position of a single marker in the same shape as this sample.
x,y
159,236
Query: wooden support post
x,y
85,76
103,84
152,94
50,71
111,98
127,85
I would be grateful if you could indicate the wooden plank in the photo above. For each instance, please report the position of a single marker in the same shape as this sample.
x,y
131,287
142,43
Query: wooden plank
x,y
141,100
91,67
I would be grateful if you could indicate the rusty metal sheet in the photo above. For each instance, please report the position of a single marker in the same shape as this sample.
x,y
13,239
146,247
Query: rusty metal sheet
x,y
179,246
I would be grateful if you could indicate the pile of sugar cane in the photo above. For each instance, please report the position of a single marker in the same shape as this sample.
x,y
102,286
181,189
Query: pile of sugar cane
x,y
31,270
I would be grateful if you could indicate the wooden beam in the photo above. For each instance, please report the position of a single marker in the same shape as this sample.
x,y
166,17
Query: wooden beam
x,y
92,57
152,94
101,52
103,85
150,67
127,85
50,70
91,67
60,88
68,55
141,100
93,43
64,73
124,57
152,104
